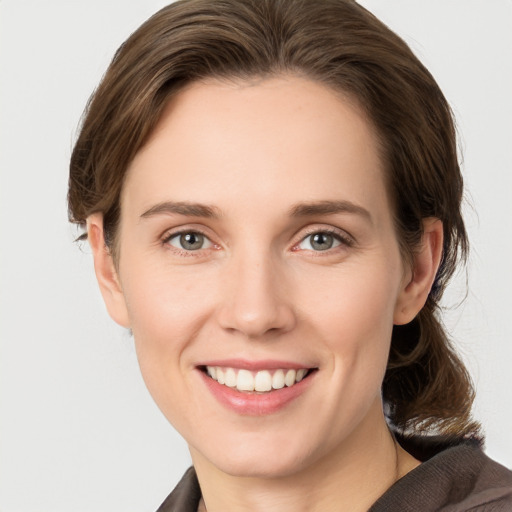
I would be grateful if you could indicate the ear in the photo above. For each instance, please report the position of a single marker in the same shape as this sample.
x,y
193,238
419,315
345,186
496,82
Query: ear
x,y
106,272
420,277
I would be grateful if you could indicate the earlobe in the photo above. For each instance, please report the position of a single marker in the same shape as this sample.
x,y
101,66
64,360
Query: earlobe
x,y
425,264
106,272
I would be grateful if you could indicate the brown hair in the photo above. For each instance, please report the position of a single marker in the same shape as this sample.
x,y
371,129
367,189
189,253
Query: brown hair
x,y
340,44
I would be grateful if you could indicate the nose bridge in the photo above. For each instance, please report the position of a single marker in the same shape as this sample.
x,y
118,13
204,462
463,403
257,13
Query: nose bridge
x,y
254,300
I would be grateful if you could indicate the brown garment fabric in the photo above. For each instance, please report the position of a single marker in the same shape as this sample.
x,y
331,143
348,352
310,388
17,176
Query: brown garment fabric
x,y
455,476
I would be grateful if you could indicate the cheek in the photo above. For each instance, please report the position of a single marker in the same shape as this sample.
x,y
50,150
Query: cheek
x,y
166,311
358,300
161,300
355,319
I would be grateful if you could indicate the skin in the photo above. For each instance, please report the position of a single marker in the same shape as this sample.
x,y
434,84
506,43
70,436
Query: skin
x,y
258,289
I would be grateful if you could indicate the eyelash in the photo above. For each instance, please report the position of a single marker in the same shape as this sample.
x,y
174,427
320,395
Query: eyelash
x,y
183,252
344,240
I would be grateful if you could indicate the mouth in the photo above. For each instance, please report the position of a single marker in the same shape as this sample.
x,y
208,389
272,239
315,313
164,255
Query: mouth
x,y
256,388
256,381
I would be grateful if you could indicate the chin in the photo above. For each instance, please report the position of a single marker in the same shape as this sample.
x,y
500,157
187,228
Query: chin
x,y
261,467
279,457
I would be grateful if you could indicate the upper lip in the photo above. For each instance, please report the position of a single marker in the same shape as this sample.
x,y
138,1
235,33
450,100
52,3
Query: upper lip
x,y
264,364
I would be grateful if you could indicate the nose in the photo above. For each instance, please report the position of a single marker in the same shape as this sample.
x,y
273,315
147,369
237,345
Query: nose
x,y
256,301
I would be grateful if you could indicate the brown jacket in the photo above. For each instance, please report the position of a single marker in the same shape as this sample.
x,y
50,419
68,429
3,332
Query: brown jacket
x,y
455,476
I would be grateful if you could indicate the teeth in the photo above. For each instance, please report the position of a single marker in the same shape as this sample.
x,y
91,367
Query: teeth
x,y
289,380
300,374
245,381
261,381
278,380
230,377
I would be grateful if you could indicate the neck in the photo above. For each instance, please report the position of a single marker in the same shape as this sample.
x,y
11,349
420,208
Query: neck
x,y
350,477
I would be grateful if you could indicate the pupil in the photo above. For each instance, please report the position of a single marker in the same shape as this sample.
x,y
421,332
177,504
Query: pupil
x,y
191,241
322,241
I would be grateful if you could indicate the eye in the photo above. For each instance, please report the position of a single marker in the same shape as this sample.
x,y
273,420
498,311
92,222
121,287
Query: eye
x,y
321,241
189,241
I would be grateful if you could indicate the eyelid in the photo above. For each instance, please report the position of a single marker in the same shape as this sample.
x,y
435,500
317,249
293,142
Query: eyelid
x,y
341,235
345,238
174,232
171,233
176,236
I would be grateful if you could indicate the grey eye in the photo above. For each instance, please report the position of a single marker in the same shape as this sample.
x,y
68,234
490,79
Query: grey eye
x,y
190,241
320,241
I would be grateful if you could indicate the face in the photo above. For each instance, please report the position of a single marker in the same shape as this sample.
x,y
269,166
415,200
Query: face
x,y
260,272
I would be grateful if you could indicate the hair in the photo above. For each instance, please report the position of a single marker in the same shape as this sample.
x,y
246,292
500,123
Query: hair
x,y
427,388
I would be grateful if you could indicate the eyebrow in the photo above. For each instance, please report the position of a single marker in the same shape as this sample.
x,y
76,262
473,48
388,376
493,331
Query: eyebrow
x,y
328,208
182,208
297,210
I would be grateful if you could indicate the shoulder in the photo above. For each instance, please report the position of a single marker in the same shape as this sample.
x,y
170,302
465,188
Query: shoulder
x,y
491,488
185,496
455,476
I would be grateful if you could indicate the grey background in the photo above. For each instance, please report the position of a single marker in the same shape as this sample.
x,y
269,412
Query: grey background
x,y
78,430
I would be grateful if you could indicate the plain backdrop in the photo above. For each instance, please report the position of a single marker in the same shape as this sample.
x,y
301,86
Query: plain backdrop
x,y
78,430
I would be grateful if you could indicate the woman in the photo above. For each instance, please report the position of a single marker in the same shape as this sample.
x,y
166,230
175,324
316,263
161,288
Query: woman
x,y
272,196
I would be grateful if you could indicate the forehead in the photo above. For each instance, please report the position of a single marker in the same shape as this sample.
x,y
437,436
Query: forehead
x,y
284,139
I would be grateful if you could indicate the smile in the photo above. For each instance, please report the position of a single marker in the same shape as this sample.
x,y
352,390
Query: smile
x,y
262,381
256,388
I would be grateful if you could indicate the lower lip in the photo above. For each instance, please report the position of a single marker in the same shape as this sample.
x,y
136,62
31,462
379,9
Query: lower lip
x,y
255,404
